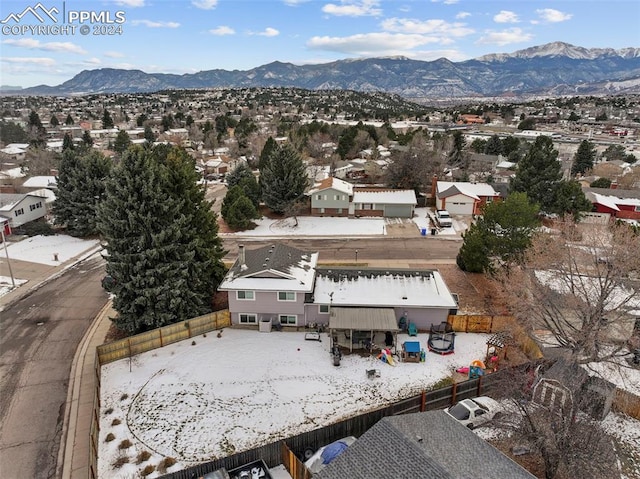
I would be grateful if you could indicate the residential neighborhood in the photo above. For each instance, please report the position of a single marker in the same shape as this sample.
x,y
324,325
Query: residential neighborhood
x,y
272,277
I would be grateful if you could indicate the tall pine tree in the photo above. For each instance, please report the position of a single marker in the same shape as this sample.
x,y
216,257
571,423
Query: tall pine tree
x,y
584,158
284,179
164,253
538,173
81,187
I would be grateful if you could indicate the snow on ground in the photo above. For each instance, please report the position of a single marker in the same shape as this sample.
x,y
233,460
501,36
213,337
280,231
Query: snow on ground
x,y
340,226
41,249
224,395
6,285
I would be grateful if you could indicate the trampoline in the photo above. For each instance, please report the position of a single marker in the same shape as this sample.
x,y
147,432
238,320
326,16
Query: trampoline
x,y
441,339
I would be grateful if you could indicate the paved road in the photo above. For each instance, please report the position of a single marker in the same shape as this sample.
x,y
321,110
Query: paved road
x,y
40,335
414,250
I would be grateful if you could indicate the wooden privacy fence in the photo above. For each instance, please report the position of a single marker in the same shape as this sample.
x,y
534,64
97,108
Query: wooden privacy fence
x,y
157,338
472,323
627,403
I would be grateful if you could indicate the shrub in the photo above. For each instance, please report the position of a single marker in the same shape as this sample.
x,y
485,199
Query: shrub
x,y
115,422
166,463
108,411
124,396
147,470
122,460
125,444
110,437
142,457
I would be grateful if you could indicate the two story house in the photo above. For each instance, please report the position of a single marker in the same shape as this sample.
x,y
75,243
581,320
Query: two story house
x,y
331,197
270,284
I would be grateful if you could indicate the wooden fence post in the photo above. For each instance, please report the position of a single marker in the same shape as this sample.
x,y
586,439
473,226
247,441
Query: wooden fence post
x,y
423,401
454,391
479,389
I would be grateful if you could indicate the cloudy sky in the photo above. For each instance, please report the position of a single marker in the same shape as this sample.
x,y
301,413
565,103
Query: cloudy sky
x,y
52,40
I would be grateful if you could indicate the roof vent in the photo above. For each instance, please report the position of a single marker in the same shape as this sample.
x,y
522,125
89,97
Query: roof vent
x,y
404,297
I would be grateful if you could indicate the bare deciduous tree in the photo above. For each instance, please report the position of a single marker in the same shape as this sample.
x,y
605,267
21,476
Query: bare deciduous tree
x,y
581,285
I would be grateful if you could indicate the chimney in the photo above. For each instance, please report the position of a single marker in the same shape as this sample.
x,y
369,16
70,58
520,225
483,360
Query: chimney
x,y
241,259
614,185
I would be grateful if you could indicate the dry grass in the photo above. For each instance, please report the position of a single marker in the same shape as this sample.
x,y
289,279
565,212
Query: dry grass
x,y
166,463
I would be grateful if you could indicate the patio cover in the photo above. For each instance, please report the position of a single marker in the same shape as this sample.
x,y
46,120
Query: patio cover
x,y
363,319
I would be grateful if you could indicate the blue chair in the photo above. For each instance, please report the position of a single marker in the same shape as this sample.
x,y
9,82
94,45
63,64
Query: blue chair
x,y
412,330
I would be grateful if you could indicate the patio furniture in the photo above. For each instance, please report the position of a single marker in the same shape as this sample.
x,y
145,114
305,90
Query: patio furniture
x,y
412,330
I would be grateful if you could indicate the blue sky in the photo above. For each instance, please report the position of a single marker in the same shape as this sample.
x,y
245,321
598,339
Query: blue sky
x,y
186,36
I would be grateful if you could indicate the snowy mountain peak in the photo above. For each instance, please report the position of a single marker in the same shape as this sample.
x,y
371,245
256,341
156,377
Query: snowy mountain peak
x,y
562,49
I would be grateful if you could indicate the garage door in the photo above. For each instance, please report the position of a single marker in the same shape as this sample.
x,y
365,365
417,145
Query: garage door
x,y
459,207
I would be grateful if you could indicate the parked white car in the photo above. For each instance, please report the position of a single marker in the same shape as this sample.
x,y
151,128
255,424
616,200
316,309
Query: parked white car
x,y
474,412
328,453
444,218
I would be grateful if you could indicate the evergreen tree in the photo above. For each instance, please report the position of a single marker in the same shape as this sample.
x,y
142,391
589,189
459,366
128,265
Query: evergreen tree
x,y
244,177
284,179
493,146
164,251
240,214
107,121
86,139
474,252
122,142
149,135
269,147
140,121
12,133
456,155
36,133
81,186
67,142
69,121
601,183
478,145
54,121
538,173
584,158
570,199
504,231
527,124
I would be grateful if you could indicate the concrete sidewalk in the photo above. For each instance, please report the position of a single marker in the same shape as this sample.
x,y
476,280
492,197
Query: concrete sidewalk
x,y
74,453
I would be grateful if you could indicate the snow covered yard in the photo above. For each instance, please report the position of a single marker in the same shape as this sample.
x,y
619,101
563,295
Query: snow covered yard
x,y
44,249
224,395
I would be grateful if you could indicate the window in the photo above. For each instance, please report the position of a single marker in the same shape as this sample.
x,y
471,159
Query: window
x,y
321,210
248,318
288,319
245,295
367,206
324,309
35,206
324,197
637,209
286,296
339,211
489,199
318,197
19,212
337,197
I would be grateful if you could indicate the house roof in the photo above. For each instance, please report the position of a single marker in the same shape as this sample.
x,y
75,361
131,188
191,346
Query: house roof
x,y
363,319
9,201
276,267
382,288
333,183
429,444
40,182
610,201
397,197
445,189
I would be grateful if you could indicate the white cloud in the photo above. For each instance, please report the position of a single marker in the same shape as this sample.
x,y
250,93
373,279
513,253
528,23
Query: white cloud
x,y
222,30
434,26
112,54
155,24
505,16
505,37
354,8
268,32
205,4
33,44
130,3
92,61
294,3
553,16
372,44
462,15
450,2
47,62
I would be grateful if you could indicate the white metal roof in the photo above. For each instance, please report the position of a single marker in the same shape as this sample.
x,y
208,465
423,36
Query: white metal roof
x,y
398,197
473,190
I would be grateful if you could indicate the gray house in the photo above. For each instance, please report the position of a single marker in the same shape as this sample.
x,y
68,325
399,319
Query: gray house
x,y
20,209
422,445
331,197
384,203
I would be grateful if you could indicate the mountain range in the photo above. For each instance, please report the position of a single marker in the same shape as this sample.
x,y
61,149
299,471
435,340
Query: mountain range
x,y
552,69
